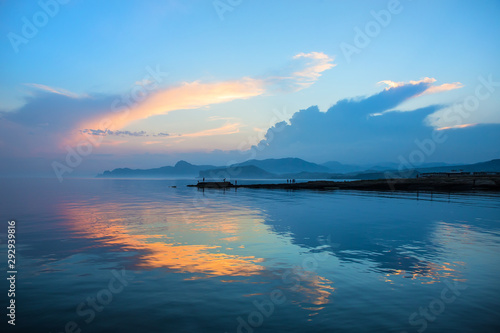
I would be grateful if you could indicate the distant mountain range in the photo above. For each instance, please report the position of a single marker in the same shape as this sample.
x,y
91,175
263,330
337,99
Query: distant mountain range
x,y
181,168
291,168
285,165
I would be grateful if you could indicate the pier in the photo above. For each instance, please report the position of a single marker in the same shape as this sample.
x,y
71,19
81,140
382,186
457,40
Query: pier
x,y
447,184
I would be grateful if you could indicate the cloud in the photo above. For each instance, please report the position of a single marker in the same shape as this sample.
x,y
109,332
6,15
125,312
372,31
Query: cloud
x,y
303,72
317,63
59,91
223,130
349,132
444,87
427,81
120,133
186,96
456,126
62,117
193,95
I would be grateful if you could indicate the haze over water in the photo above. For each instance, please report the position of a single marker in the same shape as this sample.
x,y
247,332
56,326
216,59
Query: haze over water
x,y
251,260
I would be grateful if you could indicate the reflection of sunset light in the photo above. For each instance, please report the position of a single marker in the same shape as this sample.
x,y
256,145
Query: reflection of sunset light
x,y
427,272
203,259
217,237
431,272
317,290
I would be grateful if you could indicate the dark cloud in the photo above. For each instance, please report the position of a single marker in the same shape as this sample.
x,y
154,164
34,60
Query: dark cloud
x,y
120,133
59,112
350,132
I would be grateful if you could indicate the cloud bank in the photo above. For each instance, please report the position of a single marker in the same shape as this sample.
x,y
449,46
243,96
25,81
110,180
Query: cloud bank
x,y
363,130
62,117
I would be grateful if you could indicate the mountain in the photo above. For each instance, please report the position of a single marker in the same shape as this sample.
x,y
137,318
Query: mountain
x,y
293,168
284,165
181,168
238,172
338,167
489,166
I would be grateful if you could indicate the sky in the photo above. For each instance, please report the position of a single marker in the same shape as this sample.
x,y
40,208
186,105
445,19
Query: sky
x,y
88,86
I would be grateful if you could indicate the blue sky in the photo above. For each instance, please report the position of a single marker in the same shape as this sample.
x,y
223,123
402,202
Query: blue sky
x,y
243,67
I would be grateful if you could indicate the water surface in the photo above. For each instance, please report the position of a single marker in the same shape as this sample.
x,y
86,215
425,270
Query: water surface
x,y
155,256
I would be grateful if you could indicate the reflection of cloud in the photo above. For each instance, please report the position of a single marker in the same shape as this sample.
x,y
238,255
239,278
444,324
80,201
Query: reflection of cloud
x,y
316,290
426,272
200,245
96,223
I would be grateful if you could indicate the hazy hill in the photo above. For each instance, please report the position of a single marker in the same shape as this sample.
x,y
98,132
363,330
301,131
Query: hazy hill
x,y
181,168
492,166
285,165
245,171
337,167
489,166
291,168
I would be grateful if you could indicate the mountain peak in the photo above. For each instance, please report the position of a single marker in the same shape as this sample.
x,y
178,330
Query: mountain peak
x,y
182,164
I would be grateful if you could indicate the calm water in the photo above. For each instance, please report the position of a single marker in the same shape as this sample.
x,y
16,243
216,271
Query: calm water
x,y
142,256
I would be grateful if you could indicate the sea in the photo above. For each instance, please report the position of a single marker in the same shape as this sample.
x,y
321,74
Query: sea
x,y
152,255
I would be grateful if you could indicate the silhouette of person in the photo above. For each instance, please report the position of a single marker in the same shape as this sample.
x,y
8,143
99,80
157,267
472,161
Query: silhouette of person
x,y
203,178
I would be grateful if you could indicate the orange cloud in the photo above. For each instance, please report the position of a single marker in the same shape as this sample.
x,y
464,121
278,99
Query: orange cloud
x,y
456,126
187,96
141,103
443,87
224,130
428,81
